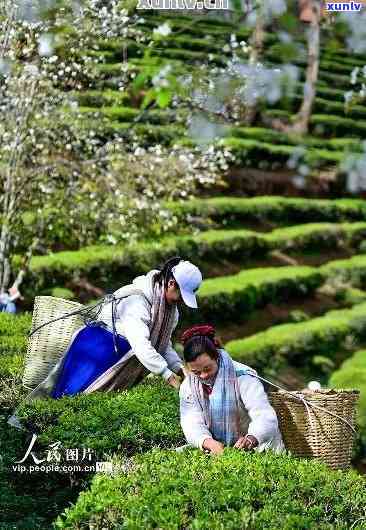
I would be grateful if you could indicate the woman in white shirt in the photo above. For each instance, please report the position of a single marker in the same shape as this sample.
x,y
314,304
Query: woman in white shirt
x,y
130,337
222,403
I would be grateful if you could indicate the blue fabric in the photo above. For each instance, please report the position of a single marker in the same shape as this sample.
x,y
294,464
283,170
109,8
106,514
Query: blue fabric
x,y
8,307
90,355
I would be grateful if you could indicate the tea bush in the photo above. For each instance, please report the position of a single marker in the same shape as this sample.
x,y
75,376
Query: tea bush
x,y
230,211
352,374
296,344
232,297
131,421
191,490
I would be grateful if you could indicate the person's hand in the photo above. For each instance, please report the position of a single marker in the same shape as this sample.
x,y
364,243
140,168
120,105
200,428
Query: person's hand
x,y
247,442
215,447
174,381
15,293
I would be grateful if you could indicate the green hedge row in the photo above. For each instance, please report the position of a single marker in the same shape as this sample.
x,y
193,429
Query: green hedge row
x,y
266,155
127,114
190,490
13,345
352,269
231,211
29,501
314,346
324,106
114,266
276,137
352,374
317,235
329,125
326,125
110,266
128,422
230,298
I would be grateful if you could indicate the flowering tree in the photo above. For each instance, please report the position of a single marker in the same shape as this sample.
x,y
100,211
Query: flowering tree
x,y
59,178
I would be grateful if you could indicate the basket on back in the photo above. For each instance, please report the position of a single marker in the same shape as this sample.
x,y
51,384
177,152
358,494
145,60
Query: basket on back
x,y
310,432
48,344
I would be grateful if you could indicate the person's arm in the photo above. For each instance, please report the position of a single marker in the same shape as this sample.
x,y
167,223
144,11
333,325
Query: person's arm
x,y
133,324
175,363
264,423
191,419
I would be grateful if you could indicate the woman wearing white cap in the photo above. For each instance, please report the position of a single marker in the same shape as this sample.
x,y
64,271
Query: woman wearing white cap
x,y
131,337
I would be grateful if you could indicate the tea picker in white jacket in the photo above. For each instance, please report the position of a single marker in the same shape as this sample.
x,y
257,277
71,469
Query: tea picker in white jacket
x,y
221,404
130,338
139,326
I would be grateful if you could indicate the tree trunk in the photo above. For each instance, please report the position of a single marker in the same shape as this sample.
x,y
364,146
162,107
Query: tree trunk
x,y
9,206
301,123
256,43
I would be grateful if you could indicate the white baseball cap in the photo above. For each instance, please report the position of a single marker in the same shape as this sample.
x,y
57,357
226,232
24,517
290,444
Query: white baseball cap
x,y
189,278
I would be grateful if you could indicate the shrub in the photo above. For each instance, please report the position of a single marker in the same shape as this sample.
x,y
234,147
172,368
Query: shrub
x,y
296,344
113,266
316,235
131,421
326,124
232,297
62,292
230,211
352,374
13,345
191,490
352,269
29,501
14,325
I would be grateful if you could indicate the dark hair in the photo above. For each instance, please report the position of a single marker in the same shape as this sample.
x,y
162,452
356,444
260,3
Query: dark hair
x,y
197,345
165,273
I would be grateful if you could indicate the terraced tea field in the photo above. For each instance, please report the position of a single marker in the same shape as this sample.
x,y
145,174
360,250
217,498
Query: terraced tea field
x,y
334,130
292,322
284,284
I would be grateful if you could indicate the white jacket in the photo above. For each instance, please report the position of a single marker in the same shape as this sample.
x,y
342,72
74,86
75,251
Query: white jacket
x,y
257,416
132,322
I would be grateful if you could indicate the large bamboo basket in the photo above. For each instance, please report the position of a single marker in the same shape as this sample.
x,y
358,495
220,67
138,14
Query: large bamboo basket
x,y
48,344
310,432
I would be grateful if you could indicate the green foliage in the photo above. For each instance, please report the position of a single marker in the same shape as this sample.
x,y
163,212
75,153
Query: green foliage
x,y
316,235
237,490
362,247
13,345
113,266
62,292
352,269
231,211
231,297
352,374
12,325
293,344
351,295
276,137
109,422
298,316
325,364
329,125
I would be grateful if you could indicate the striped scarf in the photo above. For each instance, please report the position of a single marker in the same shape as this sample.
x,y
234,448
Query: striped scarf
x,y
221,409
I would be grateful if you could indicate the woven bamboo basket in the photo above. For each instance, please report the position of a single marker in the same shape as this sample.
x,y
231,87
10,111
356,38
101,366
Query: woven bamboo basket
x,y
314,433
48,344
